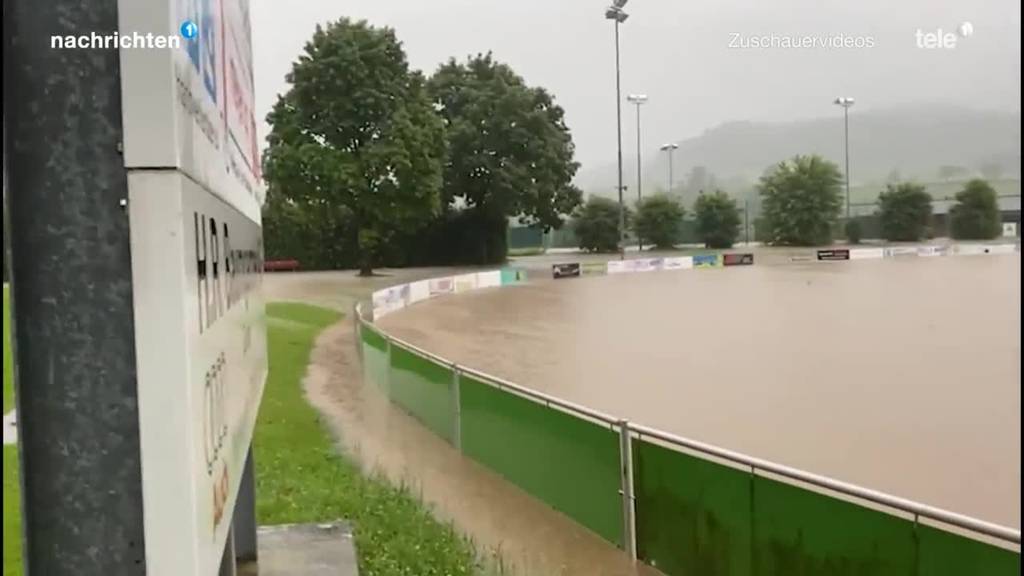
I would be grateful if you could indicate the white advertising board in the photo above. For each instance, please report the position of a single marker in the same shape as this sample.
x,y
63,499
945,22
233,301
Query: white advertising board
x,y
970,249
194,197
419,291
490,279
897,251
1002,248
679,263
191,107
866,253
439,286
201,359
931,251
465,282
647,264
619,266
390,300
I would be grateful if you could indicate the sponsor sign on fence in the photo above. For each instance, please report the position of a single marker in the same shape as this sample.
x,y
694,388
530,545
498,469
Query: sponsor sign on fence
x,y
594,268
1002,249
440,286
738,259
571,270
465,282
931,251
620,266
389,300
419,291
488,279
898,251
866,253
834,254
678,263
707,261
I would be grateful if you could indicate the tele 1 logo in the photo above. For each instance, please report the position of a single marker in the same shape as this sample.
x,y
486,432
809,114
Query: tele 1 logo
x,y
940,38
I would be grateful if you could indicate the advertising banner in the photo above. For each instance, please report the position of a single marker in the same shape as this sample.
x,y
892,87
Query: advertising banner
x,y
1002,249
439,286
707,261
571,270
738,259
488,279
619,266
465,282
931,251
389,300
647,264
900,251
833,254
419,291
191,106
678,263
866,253
594,268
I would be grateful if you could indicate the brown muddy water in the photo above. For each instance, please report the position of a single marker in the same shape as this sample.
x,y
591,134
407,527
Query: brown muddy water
x,y
898,375
513,532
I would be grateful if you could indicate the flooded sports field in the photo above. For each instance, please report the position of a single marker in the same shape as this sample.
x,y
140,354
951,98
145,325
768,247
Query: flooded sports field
x,y
898,375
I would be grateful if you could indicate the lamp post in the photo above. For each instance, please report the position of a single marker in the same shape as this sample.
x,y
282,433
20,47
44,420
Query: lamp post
x,y
670,148
846,103
617,14
638,100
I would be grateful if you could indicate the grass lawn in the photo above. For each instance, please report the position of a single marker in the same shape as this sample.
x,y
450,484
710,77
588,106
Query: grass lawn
x,y
300,475
12,514
301,478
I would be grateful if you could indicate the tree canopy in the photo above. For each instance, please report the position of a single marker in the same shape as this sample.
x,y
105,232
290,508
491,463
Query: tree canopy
x,y
659,220
905,212
801,201
975,216
596,224
510,153
356,135
718,220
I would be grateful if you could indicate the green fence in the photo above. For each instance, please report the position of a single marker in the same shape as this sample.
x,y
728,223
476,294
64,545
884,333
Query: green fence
x,y
566,461
690,513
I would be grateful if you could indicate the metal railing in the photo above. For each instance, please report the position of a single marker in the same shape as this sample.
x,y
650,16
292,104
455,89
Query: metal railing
x,y
628,430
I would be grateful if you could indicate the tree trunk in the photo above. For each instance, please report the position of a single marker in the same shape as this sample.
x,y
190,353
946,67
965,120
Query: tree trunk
x,y
365,270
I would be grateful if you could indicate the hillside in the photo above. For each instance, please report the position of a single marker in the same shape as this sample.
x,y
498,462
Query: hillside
x,y
908,142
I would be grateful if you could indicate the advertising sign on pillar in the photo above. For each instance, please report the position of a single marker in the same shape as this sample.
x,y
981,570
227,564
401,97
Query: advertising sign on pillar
x,y
194,198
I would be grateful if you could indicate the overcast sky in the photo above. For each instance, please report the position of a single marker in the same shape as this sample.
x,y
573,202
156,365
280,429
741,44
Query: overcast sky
x,y
677,52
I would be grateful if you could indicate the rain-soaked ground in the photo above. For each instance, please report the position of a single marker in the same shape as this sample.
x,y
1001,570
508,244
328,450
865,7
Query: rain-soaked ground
x,y
899,375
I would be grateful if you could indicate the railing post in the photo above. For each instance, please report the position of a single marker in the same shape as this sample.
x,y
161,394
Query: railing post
x,y
457,408
628,498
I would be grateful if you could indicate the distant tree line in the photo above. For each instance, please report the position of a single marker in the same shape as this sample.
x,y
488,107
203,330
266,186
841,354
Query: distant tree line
x,y
370,163
802,201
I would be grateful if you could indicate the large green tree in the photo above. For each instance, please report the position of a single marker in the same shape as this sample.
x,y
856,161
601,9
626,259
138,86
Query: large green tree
x,y
659,220
510,153
801,201
356,135
975,216
718,220
596,224
905,211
